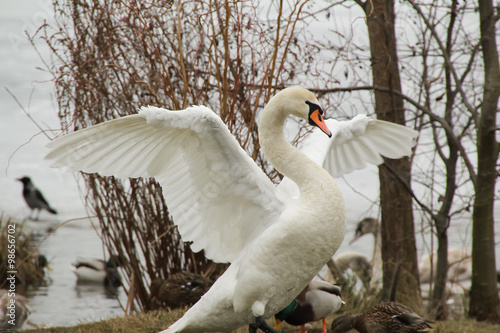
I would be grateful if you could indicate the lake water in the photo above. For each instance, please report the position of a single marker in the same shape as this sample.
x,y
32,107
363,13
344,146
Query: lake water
x,y
22,148
62,302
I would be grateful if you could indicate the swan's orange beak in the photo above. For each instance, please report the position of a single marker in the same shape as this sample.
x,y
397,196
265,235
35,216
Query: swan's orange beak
x,y
315,118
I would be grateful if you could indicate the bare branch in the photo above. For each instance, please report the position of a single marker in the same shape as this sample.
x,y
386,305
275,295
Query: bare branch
x,y
432,115
446,57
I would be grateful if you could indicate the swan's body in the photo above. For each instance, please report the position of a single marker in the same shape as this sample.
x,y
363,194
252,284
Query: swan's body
x,y
459,266
459,259
276,238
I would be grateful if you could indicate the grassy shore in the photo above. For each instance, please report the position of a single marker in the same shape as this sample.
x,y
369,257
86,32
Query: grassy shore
x,y
158,320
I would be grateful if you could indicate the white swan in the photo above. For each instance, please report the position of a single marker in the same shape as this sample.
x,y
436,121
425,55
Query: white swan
x,y
459,266
459,259
276,238
371,225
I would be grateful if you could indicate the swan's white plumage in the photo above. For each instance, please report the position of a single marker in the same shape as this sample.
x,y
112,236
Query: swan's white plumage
x,y
358,142
354,145
223,202
219,198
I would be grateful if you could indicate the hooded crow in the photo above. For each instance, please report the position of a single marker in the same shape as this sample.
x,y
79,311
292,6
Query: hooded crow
x,y
34,198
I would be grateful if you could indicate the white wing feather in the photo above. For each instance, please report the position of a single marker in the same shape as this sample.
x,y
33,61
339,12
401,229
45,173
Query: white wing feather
x,y
218,197
358,142
353,146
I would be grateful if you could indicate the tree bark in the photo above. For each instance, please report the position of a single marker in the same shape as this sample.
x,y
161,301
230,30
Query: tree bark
x,y
399,254
437,304
484,302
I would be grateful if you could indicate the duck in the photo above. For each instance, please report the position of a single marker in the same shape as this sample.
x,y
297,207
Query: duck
x,y
13,317
34,198
98,271
223,203
179,290
32,270
316,302
42,263
40,267
388,317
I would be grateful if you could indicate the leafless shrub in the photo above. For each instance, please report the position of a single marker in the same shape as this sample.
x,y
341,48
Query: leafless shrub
x,y
112,57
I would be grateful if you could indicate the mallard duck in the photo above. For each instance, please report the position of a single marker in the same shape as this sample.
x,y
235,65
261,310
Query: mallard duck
x,y
179,290
384,318
13,317
32,271
316,302
223,203
91,270
42,264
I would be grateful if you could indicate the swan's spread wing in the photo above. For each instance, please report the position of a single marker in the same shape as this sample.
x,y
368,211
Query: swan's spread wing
x,y
354,144
358,142
219,198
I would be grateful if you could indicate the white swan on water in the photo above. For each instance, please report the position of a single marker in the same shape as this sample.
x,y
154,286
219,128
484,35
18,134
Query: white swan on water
x,y
276,237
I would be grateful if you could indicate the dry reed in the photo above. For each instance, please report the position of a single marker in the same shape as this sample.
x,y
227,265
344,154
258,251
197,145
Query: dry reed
x,y
112,57
18,245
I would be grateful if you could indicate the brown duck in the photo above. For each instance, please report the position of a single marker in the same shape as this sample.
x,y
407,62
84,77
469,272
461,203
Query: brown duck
x,y
384,318
179,290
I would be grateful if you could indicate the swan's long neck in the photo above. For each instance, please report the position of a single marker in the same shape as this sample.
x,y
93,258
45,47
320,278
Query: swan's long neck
x,y
288,160
376,277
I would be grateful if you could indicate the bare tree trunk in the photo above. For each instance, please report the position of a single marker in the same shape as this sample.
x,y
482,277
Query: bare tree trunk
x,y
442,218
484,303
399,252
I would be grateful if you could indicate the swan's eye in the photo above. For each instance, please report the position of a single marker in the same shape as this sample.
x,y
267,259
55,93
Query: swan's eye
x,y
313,107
